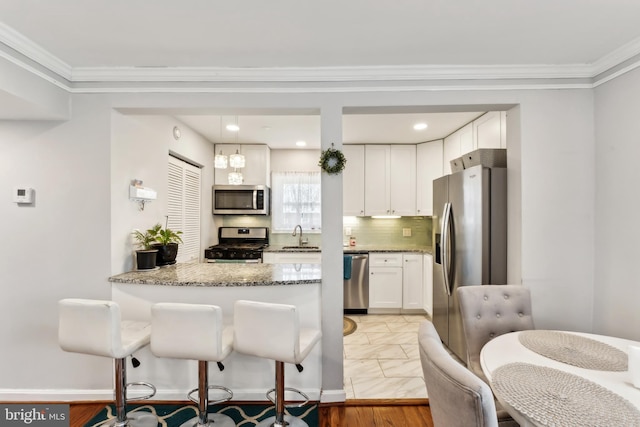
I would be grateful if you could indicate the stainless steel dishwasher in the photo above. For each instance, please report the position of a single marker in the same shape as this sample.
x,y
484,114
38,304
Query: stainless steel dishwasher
x,y
356,284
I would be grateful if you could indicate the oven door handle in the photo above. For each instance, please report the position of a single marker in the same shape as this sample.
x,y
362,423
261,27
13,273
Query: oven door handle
x,y
234,261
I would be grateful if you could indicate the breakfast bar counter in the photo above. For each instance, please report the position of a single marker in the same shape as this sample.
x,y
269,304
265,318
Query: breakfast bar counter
x,y
224,274
222,284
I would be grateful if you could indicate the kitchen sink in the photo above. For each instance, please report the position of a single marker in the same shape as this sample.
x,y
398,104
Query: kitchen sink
x,y
297,248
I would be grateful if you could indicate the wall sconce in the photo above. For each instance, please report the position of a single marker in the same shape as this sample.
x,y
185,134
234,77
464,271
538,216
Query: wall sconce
x,y
140,194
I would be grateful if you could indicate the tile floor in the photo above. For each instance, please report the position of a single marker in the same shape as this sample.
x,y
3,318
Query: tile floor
x,y
381,359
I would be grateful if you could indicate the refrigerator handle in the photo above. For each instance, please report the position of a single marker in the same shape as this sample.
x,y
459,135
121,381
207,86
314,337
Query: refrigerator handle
x,y
446,264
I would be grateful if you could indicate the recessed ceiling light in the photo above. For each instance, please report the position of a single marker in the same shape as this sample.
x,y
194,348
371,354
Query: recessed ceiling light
x,y
233,128
301,143
420,126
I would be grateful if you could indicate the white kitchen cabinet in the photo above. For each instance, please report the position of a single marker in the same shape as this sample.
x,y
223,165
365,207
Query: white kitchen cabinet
x,y
257,170
455,145
427,283
412,281
377,179
292,257
353,181
390,180
385,280
428,168
403,180
490,130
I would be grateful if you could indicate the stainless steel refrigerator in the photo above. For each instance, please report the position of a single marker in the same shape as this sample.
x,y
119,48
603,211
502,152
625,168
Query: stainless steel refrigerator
x,y
470,242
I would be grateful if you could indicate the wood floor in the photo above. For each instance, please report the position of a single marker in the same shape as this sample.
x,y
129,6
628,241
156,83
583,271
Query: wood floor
x,y
353,413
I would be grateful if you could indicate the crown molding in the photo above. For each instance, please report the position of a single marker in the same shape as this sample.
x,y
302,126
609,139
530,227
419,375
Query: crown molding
x,y
34,51
35,59
616,57
329,74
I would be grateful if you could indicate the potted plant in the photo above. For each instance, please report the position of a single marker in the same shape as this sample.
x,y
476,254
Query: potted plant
x,y
166,242
147,255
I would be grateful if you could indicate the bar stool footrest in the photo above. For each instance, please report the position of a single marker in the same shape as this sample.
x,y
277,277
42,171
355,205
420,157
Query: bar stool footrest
x,y
144,384
291,405
216,387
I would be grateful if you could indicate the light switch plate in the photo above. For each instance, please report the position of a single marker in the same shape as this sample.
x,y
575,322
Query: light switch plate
x,y
406,232
347,231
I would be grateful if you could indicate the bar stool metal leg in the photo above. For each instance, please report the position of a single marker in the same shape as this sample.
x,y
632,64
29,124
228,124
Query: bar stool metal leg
x,y
280,419
132,419
204,418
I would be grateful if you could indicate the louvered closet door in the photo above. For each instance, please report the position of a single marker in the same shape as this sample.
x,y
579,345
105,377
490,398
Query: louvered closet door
x,y
183,207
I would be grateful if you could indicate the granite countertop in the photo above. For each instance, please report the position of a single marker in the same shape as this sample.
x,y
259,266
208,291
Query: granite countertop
x,y
232,274
360,248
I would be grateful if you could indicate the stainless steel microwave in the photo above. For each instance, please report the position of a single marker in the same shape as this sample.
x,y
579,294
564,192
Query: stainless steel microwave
x,y
240,200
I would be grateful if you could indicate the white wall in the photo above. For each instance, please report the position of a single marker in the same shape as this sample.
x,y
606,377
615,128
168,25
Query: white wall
x,y
139,150
60,159
295,160
558,179
617,290
57,248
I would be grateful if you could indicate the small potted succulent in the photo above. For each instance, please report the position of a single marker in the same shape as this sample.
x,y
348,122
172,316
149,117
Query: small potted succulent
x,y
145,256
166,242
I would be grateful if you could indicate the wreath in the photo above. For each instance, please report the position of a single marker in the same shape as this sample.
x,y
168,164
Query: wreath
x,y
332,161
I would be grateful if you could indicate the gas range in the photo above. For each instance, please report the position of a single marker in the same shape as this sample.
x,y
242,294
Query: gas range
x,y
239,244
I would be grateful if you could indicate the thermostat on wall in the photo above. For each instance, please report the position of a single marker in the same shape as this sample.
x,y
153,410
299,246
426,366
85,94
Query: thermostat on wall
x,y
23,195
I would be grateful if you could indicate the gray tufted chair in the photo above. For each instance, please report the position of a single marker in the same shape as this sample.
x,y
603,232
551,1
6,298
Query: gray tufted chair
x,y
491,310
457,398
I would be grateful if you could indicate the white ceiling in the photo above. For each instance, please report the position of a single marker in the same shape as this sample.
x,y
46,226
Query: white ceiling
x,y
90,40
283,131
294,33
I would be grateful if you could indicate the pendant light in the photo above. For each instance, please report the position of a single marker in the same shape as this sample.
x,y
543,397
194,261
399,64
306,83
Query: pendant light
x,y
220,160
236,161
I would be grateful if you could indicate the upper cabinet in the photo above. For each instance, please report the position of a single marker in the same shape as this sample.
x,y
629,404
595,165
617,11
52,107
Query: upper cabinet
x,y
487,131
428,168
455,145
390,180
490,130
353,181
257,164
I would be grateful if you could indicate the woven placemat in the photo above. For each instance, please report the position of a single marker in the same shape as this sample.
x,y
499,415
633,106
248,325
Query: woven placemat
x,y
552,397
575,350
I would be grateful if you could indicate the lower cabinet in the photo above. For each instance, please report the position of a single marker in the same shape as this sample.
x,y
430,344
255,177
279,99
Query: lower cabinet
x,y
291,257
395,281
412,289
385,287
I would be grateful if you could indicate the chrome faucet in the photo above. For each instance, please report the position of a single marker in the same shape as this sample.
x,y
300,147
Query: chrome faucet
x,y
300,242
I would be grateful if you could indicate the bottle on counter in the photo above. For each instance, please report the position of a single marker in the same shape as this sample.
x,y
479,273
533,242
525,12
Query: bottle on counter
x,y
352,241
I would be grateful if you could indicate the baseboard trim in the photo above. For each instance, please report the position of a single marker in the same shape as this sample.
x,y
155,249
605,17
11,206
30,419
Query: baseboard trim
x,y
333,396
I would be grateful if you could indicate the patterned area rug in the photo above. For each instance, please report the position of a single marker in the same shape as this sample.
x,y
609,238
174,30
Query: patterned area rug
x,y
348,326
243,415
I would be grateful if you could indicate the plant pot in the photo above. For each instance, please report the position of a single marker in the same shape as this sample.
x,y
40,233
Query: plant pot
x,y
146,259
166,253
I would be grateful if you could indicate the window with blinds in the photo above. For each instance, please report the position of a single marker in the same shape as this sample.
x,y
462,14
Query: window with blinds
x,y
183,207
296,200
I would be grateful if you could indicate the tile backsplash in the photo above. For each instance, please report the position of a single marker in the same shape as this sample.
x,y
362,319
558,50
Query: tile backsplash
x,y
389,231
366,230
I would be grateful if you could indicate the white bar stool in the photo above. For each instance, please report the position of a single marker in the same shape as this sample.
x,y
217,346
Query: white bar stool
x,y
95,327
272,331
194,332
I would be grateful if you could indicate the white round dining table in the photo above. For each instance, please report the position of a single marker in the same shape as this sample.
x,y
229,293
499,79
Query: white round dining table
x,y
507,349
